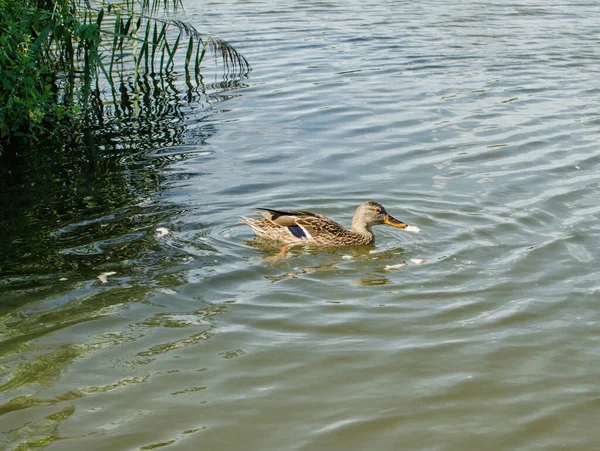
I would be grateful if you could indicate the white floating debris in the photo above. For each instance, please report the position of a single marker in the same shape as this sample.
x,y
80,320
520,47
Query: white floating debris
x,y
104,276
347,257
413,229
392,267
62,279
577,167
161,231
418,261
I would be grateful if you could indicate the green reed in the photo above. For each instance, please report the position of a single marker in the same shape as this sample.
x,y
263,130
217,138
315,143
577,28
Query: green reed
x,y
57,56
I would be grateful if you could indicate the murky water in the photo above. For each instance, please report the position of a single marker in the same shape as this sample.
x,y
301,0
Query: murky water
x,y
476,121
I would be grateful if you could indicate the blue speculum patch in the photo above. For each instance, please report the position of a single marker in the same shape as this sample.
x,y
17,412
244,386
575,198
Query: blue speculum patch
x,y
297,231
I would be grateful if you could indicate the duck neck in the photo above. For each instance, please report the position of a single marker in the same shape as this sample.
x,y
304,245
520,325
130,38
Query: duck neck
x,y
359,227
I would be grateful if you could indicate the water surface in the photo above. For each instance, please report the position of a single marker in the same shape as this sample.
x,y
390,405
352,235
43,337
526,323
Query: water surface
x,y
476,121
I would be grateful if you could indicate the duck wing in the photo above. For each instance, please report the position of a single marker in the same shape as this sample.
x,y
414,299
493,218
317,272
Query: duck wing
x,y
305,224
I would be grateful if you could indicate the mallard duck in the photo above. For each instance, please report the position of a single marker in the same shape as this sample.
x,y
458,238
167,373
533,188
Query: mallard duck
x,y
304,227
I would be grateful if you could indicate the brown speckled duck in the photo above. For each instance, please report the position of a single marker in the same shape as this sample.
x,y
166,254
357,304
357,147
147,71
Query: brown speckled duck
x,y
304,227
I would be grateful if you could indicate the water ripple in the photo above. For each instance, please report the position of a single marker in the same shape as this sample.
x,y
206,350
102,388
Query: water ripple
x,y
476,122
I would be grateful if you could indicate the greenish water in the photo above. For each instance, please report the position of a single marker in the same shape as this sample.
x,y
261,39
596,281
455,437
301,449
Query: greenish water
x,y
476,121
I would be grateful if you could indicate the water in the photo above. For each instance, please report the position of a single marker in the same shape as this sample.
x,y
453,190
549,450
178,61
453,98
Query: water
x,y
476,121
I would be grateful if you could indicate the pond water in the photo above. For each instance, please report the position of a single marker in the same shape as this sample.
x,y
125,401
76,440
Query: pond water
x,y
478,122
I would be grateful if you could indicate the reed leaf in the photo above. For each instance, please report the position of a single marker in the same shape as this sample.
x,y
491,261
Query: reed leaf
x,y
188,54
172,51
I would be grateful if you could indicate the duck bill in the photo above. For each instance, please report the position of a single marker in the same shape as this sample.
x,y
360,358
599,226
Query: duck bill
x,y
389,220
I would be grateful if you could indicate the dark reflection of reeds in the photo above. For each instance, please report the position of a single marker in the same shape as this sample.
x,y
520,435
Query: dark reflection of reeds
x,y
75,210
153,111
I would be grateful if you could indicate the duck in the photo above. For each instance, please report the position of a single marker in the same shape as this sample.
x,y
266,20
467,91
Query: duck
x,y
295,227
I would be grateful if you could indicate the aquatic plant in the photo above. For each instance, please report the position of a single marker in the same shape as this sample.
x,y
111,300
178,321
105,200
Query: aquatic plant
x,y
63,61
